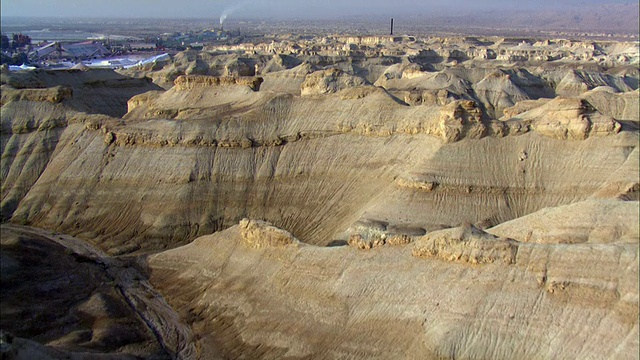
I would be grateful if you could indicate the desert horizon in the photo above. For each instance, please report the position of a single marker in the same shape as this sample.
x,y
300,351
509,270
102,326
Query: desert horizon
x,y
222,184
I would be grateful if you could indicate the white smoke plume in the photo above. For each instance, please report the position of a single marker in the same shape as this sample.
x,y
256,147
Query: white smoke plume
x,y
230,10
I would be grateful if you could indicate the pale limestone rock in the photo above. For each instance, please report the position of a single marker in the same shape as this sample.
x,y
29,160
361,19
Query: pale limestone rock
x,y
260,234
329,81
364,242
466,244
189,82
569,118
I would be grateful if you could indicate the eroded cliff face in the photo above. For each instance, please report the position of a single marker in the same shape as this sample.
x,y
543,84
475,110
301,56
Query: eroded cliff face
x,y
460,291
302,163
480,175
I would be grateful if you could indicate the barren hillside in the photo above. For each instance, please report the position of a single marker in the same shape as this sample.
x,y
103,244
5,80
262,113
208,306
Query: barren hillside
x,y
336,198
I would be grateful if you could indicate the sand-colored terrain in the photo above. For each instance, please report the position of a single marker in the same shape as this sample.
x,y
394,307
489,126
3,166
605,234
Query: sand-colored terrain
x,y
341,197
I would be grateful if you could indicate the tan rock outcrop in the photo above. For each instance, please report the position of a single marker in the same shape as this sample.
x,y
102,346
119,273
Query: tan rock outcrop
x,y
189,82
460,119
400,239
365,242
569,118
329,81
260,234
466,244
52,95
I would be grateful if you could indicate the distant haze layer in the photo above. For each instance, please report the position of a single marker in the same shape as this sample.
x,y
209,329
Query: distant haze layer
x,y
280,8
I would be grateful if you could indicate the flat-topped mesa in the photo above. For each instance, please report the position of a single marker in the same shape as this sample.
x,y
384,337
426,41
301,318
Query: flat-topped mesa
x,y
569,118
189,82
329,81
466,244
52,95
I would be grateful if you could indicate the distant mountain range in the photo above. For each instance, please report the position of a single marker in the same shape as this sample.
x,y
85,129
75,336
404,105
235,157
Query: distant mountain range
x,y
616,18
502,17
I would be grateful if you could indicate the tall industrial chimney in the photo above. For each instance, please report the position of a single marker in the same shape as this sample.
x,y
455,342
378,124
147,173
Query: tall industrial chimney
x,y
391,26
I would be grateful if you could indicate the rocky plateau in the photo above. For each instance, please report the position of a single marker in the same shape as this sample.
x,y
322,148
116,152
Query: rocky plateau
x,y
387,197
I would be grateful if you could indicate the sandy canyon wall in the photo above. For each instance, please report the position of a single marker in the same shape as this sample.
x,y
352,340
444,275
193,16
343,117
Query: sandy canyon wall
x,y
474,206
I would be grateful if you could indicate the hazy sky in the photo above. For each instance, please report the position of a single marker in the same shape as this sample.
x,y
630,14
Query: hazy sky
x,y
264,8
